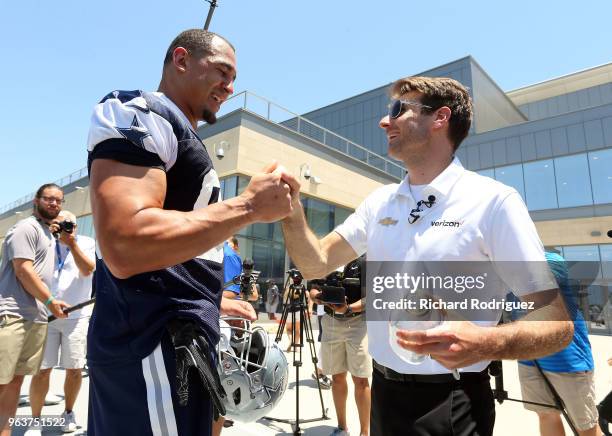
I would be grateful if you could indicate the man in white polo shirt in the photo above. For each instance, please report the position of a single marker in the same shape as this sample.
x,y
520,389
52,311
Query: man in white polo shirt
x,y
440,212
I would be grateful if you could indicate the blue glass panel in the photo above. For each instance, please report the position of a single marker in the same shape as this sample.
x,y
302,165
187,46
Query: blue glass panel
x,y
573,186
540,185
606,260
229,187
589,253
512,175
85,226
601,175
487,173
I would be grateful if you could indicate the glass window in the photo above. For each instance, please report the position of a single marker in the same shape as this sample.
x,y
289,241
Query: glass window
x,y
228,187
487,173
86,227
606,260
512,176
243,181
573,186
278,262
601,175
581,252
261,257
277,232
319,216
340,215
587,256
540,185
583,263
260,230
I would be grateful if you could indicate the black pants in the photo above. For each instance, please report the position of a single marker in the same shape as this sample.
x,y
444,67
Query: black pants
x,y
605,407
459,408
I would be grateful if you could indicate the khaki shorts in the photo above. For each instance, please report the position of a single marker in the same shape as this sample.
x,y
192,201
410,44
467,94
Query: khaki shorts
x,y
577,389
70,337
21,347
344,347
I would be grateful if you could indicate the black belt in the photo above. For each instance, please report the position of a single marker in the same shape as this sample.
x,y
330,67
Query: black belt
x,y
333,314
391,375
192,350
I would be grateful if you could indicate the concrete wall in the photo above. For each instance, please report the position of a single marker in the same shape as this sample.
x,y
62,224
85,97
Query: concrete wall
x,y
574,231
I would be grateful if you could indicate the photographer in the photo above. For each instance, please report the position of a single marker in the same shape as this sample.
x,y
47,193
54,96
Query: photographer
x,y
344,347
232,268
26,274
72,280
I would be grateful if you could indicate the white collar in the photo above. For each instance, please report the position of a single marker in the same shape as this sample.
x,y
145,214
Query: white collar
x,y
440,186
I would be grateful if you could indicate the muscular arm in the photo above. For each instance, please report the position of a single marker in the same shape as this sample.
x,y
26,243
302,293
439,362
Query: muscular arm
x,y
314,258
136,234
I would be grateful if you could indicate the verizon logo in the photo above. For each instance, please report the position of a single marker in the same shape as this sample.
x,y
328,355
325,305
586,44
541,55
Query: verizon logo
x,y
445,223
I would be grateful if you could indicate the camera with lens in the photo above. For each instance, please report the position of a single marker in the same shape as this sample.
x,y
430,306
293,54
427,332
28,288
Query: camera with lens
x,y
246,279
65,226
296,276
341,286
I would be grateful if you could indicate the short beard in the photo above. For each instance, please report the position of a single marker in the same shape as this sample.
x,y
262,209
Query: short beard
x,y
209,116
46,215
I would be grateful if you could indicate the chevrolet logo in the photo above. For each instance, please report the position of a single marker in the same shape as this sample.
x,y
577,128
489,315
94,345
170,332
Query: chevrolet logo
x,y
388,221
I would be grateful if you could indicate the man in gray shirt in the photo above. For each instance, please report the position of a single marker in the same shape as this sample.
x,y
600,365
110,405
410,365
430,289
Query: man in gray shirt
x,y
26,271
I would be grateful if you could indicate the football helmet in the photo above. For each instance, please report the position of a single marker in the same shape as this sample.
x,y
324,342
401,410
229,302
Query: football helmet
x,y
252,368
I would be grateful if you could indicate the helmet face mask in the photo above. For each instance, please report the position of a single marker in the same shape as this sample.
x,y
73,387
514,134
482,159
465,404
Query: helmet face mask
x,y
253,370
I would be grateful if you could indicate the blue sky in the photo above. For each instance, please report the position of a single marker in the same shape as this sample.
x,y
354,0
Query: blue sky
x,y
61,57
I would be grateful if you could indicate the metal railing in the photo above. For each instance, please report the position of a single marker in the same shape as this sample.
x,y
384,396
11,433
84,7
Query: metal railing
x,y
66,180
264,108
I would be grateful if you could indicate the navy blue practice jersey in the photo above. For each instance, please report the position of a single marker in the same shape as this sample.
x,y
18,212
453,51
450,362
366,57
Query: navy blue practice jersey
x,y
148,129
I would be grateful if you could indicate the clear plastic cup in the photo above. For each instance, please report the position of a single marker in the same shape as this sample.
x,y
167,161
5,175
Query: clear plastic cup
x,y
407,355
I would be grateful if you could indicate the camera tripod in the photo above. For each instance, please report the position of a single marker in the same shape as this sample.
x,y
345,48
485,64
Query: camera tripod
x,y
295,302
500,394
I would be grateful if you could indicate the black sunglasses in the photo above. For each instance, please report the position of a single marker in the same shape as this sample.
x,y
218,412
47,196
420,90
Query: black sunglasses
x,y
398,107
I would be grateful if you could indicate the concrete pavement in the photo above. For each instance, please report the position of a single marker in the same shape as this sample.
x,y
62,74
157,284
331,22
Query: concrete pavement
x,y
511,420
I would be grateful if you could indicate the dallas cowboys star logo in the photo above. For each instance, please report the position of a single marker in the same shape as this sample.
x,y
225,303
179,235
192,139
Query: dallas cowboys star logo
x,y
134,133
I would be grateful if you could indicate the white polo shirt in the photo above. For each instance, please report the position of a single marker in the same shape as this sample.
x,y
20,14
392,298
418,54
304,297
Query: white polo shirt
x,y
68,282
474,218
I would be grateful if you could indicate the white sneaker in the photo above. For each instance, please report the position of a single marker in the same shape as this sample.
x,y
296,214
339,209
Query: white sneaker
x,y
69,422
339,432
34,430
51,400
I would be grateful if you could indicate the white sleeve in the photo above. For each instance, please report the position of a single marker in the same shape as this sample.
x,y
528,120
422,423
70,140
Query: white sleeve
x,y
516,249
127,130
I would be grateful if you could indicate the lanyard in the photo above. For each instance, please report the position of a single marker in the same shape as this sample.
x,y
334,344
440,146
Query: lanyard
x,y
60,261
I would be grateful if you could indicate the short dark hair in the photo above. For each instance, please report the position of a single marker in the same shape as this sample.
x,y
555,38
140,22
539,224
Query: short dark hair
x,y
196,41
40,190
438,92
234,241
